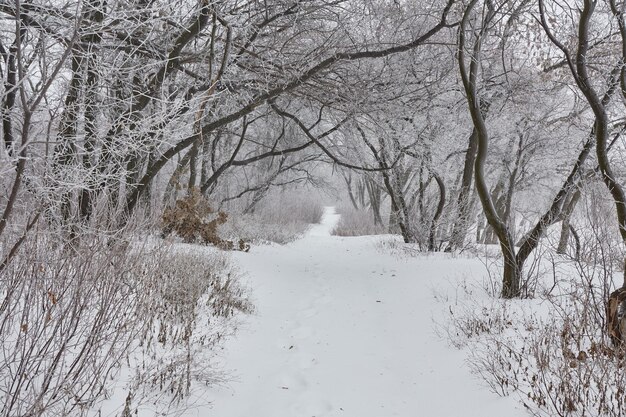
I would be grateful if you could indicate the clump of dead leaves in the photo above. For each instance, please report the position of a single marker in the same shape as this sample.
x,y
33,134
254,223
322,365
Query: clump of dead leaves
x,y
193,219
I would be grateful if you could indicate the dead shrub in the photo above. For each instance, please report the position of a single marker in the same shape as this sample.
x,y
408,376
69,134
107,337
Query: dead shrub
x,y
191,303
193,219
552,353
68,316
258,230
111,321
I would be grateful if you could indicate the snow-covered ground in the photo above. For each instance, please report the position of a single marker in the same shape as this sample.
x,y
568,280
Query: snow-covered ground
x,y
344,328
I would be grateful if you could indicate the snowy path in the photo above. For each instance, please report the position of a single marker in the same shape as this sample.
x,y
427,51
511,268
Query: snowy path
x,y
343,329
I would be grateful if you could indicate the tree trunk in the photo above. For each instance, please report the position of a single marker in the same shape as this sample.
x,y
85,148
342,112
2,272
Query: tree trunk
x,y
499,198
438,212
375,196
565,226
348,180
86,197
464,206
193,167
508,203
405,223
9,95
512,270
396,215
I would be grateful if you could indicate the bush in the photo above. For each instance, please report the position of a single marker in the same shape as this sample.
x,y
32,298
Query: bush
x,y
259,230
73,316
191,305
559,366
68,316
553,353
357,223
193,219
290,208
281,218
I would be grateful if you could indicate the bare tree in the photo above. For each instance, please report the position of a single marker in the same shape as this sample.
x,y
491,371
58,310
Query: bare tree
x,y
578,63
513,260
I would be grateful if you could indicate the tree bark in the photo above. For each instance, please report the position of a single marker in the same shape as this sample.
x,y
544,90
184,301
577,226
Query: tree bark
x,y
10,93
438,212
86,196
375,196
464,206
566,226
512,272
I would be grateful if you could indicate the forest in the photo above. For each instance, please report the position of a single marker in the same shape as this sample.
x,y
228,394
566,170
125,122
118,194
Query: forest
x,y
151,148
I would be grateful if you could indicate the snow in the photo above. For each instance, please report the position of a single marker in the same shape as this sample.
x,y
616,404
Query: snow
x,y
344,328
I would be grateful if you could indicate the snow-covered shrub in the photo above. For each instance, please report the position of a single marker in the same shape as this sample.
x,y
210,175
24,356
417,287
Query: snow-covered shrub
x,y
258,230
538,276
558,365
291,207
394,245
282,219
553,351
68,316
470,323
599,242
190,306
75,317
356,223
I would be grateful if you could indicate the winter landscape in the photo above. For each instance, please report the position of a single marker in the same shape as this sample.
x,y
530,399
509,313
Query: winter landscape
x,y
309,208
